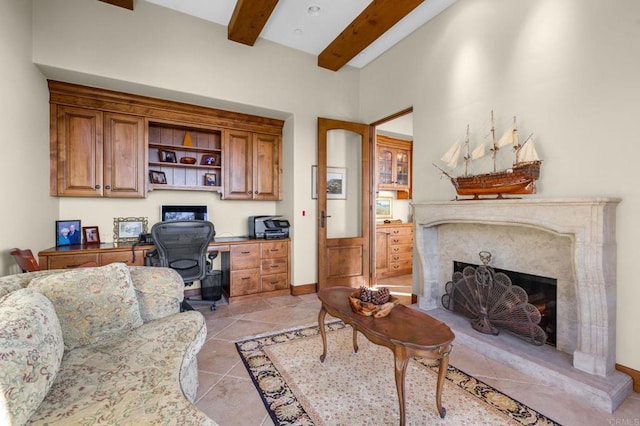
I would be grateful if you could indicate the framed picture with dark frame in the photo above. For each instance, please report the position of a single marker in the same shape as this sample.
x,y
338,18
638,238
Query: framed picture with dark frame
x,y
210,179
68,232
209,160
91,235
336,183
167,156
157,177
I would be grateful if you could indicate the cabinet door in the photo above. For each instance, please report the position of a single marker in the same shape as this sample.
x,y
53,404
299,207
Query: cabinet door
x,y
382,251
266,167
385,167
79,152
238,164
124,156
402,169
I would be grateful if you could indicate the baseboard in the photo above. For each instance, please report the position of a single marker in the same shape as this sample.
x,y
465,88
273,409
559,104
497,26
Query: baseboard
x,y
297,290
635,376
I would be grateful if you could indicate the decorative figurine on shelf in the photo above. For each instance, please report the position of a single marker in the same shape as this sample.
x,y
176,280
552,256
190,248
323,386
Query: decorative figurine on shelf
x,y
187,139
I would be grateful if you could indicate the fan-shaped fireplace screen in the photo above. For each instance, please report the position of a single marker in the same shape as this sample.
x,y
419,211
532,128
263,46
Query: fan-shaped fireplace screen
x,y
493,302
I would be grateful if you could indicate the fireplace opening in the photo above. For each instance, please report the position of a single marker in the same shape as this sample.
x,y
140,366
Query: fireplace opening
x,y
540,290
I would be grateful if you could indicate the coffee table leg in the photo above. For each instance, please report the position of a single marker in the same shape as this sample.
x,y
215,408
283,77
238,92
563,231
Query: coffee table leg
x,y
355,339
401,361
442,372
323,333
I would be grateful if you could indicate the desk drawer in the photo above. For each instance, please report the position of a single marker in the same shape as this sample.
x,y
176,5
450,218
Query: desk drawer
x,y
274,249
124,257
402,248
401,239
401,257
245,282
70,261
274,282
245,256
274,266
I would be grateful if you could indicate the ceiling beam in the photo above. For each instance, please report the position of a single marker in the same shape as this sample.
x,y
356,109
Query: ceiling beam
x,y
127,4
374,21
248,19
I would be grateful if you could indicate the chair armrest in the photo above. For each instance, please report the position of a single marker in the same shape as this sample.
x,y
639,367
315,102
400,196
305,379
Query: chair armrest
x,y
159,291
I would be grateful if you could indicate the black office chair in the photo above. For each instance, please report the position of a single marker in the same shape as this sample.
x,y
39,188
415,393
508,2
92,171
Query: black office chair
x,y
182,245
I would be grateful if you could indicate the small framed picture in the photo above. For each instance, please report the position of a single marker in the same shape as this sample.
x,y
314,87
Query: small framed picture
x,y
210,179
157,177
167,156
128,229
68,232
336,183
209,160
384,207
91,234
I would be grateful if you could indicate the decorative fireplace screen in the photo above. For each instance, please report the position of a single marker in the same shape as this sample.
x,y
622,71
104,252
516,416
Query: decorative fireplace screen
x,y
493,302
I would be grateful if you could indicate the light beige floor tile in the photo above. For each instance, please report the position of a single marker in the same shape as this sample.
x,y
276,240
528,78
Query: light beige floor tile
x,y
233,401
218,356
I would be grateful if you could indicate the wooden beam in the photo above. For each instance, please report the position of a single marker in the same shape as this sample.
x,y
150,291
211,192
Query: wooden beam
x,y
374,21
127,4
248,19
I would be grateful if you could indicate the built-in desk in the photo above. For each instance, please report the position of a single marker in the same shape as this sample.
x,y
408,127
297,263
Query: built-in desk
x,y
251,268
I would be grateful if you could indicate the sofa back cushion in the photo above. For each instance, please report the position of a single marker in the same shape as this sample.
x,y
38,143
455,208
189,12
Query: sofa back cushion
x,y
31,350
93,304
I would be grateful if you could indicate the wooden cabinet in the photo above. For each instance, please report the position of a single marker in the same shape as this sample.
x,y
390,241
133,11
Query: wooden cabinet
x,y
166,143
256,269
69,257
394,165
96,154
105,143
252,163
394,249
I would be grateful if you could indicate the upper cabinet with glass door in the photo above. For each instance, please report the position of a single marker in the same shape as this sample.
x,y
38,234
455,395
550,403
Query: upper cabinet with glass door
x,y
394,165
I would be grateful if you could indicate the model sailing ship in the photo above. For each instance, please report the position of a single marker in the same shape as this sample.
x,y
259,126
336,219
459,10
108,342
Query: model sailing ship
x,y
520,179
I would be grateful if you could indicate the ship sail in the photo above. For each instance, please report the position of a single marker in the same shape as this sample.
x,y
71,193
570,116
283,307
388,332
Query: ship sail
x,y
506,138
479,152
527,152
452,155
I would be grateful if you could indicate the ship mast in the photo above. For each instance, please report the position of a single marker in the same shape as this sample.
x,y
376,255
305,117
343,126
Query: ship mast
x,y
494,147
466,157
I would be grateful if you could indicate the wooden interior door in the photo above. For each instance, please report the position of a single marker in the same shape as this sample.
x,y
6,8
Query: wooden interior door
x,y
344,203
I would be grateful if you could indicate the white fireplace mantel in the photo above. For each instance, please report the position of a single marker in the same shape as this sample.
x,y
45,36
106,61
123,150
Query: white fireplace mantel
x,y
590,222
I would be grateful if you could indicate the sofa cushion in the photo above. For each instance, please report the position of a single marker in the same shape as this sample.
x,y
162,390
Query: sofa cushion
x,y
159,291
131,380
92,304
31,349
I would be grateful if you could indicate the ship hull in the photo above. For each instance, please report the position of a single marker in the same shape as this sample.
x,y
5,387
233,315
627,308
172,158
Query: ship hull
x,y
518,180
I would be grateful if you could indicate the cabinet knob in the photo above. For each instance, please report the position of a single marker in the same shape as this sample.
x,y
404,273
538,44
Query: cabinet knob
x,y
97,186
107,187
255,192
248,192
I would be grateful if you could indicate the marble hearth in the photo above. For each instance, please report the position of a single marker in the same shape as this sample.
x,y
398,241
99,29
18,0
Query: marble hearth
x,y
572,240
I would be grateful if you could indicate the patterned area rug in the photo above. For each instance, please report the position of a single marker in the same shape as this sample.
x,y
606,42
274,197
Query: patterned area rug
x,y
359,388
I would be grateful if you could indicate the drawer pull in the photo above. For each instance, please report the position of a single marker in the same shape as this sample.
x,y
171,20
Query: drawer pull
x,y
245,252
396,249
274,282
396,257
245,278
396,232
396,267
395,240
274,266
274,249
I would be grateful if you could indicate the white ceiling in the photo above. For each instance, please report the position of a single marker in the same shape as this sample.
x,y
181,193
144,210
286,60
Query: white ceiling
x,y
291,25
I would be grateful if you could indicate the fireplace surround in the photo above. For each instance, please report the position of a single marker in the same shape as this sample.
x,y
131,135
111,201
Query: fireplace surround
x,y
575,239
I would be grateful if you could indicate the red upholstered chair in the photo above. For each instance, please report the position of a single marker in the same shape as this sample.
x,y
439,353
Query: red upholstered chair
x,y
28,263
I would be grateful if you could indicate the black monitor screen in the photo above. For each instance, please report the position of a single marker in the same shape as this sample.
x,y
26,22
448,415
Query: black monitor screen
x,y
184,213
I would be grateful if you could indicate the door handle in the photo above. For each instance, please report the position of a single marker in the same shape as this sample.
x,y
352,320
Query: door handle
x,y
322,218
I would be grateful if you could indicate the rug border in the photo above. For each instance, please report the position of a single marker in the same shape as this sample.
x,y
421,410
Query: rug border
x,y
341,325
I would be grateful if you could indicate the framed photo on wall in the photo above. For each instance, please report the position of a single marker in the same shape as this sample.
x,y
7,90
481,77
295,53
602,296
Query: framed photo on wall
x,y
336,183
384,207
68,232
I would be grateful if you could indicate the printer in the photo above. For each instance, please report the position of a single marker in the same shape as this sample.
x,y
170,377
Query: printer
x,y
268,227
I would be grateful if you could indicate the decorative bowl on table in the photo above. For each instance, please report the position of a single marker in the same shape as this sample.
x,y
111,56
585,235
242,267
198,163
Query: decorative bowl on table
x,y
369,302
188,160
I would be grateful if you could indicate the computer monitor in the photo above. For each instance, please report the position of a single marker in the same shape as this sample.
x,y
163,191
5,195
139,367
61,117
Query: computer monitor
x,y
183,213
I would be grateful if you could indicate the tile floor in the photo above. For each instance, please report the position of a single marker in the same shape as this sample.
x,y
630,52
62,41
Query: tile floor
x,y
228,396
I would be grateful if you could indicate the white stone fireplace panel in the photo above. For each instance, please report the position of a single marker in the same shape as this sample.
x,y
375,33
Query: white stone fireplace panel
x,y
520,249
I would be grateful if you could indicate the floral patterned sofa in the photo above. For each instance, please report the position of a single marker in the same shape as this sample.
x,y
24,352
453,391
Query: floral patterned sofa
x,y
104,345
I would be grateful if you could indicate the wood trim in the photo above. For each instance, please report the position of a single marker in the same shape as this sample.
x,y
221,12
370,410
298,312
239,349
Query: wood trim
x,y
374,21
635,375
248,20
393,116
127,4
62,93
298,290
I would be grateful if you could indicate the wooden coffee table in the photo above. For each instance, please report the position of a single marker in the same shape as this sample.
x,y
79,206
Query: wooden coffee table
x,y
407,332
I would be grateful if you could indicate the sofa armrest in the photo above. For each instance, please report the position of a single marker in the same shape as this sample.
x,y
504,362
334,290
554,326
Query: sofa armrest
x,y
159,290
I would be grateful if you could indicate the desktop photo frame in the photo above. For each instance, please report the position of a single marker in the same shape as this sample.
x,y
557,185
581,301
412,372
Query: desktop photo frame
x,y
128,229
91,235
68,232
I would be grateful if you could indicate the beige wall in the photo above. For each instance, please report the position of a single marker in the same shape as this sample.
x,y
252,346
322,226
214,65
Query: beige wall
x,y
157,52
568,69
27,214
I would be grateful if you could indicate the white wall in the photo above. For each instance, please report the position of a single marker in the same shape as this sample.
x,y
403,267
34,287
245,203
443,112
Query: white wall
x,y
155,51
28,214
568,69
